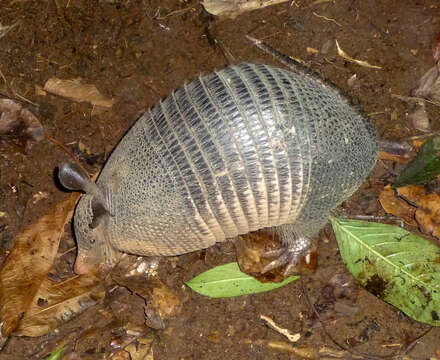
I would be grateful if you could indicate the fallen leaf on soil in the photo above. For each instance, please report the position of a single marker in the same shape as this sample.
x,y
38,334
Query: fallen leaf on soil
x,y
397,206
413,203
232,8
383,155
56,303
412,193
393,264
395,151
143,350
28,264
424,167
428,214
419,117
19,124
347,57
227,281
429,85
75,90
160,302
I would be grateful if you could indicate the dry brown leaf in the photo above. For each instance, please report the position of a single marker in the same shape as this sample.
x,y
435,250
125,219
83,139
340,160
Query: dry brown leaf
x,y
383,155
75,90
55,303
429,85
414,200
347,57
143,350
412,193
428,214
27,265
397,206
18,123
161,302
232,8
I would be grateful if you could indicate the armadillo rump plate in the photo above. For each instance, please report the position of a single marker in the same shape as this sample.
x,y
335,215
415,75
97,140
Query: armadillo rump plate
x,y
244,148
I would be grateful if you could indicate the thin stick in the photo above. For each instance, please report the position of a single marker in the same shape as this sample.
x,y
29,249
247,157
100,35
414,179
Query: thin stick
x,y
62,146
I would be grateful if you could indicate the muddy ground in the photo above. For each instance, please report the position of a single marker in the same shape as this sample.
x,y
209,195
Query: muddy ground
x,y
137,52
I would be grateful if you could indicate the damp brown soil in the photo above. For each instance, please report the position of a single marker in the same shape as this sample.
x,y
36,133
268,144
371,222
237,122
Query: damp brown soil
x,y
137,52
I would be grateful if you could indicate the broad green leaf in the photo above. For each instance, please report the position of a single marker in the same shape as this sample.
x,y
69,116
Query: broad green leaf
x,y
425,166
395,265
228,281
56,354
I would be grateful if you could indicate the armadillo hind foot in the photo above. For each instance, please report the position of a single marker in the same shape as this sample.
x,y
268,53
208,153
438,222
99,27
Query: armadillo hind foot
x,y
294,250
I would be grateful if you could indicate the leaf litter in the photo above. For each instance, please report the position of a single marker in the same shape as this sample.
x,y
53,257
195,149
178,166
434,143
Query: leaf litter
x,y
31,304
18,125
27,266
77,91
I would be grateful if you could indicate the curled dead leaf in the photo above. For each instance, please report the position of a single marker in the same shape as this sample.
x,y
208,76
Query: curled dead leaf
x,y
143,350
160,302
414,206
27,266
396,206
76,91
428,214
19,124
412,194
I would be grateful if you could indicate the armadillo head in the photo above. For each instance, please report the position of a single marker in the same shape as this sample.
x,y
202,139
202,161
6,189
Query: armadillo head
x,y
91,218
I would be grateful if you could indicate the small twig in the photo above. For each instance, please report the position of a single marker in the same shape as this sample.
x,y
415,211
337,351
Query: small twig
x,y
423,136
225,51
326,18
5,29
21,97
62,146
66,252
414,99
3,77
174,12
285,332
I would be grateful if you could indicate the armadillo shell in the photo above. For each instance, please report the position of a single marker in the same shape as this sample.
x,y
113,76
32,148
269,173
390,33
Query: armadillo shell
x,y
247,147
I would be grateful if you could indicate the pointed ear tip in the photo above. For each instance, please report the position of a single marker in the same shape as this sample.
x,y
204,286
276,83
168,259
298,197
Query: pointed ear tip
x,y
72,177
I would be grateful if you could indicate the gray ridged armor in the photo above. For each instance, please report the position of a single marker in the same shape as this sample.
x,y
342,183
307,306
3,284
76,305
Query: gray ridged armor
x,y
247,147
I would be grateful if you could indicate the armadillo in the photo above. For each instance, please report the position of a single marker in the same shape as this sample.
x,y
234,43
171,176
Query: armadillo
x,y
248,147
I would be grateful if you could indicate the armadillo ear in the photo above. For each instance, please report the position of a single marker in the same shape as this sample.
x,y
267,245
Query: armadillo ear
x,y
73,178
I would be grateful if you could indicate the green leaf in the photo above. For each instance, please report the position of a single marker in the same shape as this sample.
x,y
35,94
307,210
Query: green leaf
x,y
56,354
424,167
228,281
395,265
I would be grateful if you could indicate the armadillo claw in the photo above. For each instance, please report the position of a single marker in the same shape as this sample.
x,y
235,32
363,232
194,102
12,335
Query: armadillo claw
x,y
293,260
